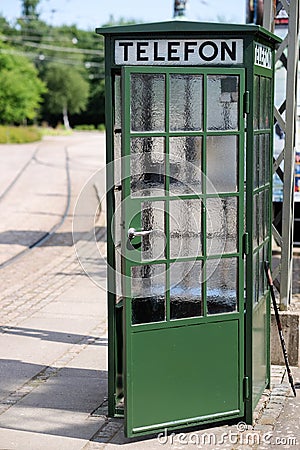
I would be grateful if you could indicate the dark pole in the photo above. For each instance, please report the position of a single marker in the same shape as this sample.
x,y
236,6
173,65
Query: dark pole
x,y
179,8
285,355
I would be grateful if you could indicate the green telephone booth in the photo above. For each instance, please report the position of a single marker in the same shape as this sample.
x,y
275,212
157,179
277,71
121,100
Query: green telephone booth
x,y
189,120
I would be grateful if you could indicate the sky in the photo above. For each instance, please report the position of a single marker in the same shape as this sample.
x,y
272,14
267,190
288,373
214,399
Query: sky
x,y
89,14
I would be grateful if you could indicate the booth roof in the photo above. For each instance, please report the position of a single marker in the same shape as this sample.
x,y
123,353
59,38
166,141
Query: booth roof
x,y
183,26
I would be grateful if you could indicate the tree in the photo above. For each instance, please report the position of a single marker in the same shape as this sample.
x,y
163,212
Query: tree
x,y
20,88
68,91
29,9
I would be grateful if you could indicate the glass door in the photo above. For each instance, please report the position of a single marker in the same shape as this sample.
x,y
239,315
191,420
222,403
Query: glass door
x,y
181,246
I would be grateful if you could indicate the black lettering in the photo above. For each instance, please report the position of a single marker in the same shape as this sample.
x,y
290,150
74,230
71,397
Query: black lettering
x,y
140,50
188,50
125,51
156,56
172,50
230,51
213,55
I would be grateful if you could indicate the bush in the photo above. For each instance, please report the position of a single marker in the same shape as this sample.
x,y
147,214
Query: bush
x,y
19,135
101,127
84,127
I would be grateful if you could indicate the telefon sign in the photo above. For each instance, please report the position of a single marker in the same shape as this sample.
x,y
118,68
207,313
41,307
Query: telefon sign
x,y
179,52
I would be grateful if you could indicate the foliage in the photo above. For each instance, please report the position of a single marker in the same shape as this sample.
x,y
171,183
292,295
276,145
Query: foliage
x,y
67,90
29,8
20,88
76,51
19,135
85,127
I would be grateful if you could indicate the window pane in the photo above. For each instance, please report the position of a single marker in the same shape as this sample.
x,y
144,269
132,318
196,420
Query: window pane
x,y
256,160
148,289
256,219
256,103
255,278
261,216
262,159
267,206
265,102
267,158
222,163
185,165
147,166
117,96
222,102
185,228
153,218
261,274
185,289
221,225
222,286
147,102
185,102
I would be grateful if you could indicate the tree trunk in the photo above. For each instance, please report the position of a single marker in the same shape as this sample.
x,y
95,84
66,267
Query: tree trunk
x,y
66,119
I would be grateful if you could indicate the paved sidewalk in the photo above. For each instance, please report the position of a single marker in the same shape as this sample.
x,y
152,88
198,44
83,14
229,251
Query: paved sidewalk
x,y
54,373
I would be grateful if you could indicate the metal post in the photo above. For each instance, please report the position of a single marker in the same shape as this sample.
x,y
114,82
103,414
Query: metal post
x,y
289,156
287,123
268,16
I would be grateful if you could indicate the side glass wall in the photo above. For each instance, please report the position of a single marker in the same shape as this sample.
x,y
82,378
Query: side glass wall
x,y
263,121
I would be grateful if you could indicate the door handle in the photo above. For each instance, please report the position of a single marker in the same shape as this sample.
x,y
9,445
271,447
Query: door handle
x,y
132,233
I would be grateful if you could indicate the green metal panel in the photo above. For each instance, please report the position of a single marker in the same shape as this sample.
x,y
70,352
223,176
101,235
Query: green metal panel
x,y
176,380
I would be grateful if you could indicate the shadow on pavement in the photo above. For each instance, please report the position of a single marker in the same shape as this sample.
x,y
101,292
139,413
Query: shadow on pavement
x,y
27,238
54,336
56,404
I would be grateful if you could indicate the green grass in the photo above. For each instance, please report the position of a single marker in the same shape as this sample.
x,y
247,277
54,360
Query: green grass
x,y
47,131
23,135
19,135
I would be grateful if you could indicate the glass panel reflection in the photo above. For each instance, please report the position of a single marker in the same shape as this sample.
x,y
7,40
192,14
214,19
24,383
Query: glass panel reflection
x,y
267,158
147,166
256,157
185,165
221,285
255,278
222,163
153,218
256,98
261,216
117,103
262,159
185,102
221,226
265,103
255,221
267,205
261,274
147,102
185,228
222,100
185,289
148,289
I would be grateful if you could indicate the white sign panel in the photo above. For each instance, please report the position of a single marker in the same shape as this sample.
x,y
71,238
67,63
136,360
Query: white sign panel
x,y
185,52
263,56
